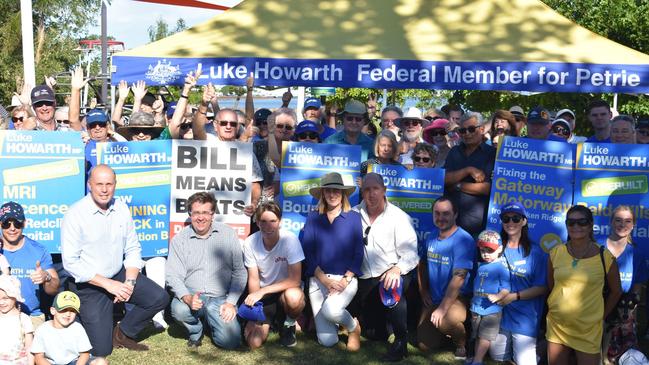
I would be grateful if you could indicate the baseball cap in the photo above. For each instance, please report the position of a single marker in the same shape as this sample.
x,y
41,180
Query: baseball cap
x,y
66,300
514,207
96,116
517,110
11,286
563,122
42,93
261,115
489,239
538,115
12,210
254,313
566,111
312,103
354,107
391,297
306,126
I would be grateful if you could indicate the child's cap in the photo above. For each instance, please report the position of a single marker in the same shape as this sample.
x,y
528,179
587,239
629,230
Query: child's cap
x,y
490,239
254,313
11,286
66,300
391,297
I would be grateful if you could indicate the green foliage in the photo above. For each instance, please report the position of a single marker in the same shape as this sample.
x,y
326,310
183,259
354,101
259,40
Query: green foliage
x,y
233,90
161,29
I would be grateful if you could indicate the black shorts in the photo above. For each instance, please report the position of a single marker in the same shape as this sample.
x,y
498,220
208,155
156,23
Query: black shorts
x,y
273,309
485,327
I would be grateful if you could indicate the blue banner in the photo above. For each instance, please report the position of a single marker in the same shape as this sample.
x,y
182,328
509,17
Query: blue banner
x,y
302,166
44,172
143,172
608,175
414,191
389,74
539,175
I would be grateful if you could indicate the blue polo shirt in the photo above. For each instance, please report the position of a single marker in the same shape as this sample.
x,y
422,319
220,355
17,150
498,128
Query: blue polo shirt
x,y
472,209
490,278
335,247
442,257
366,143
632,267
23,263
523,316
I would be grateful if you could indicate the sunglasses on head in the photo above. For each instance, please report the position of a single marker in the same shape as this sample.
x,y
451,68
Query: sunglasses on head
x,y
287,127
307,135
437,132
560,130
421,159
410,122
17,119
224,123
366,234
470,129
18,225
511,218
583,222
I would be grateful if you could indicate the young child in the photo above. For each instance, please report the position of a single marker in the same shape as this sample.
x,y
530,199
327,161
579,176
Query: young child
x,y
62,340
16,331
490,285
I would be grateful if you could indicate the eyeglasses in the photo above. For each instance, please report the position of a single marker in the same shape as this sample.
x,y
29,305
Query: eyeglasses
x,y
18,119
560,130
96,124
511,218
64,121
582,222
366,234
410,122
287,127
224,123
203,213
643,132
432,118
351,118
41,103
470,129
421,159
307,135
18,225
437,132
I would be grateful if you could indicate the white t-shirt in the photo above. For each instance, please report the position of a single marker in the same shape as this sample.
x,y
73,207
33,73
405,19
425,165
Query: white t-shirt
x,y
60,345
273,264
12,338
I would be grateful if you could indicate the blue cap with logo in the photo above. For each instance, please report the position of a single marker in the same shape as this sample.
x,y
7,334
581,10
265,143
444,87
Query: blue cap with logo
x,y
12,210
254,313
306,126
391,297
312,103
96,116
538,115
42,93
515,207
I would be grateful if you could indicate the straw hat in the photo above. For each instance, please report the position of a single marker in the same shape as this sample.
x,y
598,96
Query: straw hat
x,y
332,180
140,120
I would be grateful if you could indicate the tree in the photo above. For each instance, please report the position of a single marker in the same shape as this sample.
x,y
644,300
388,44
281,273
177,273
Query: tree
x,y
161,29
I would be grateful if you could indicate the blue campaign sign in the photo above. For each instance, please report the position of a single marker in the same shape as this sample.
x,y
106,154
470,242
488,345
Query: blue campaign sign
x,y
143,172
388,73
414,191
539,175
608,175
302,166
44,172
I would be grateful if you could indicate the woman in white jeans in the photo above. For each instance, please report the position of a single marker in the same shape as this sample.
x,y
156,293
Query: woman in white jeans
x,y
332,240
523,306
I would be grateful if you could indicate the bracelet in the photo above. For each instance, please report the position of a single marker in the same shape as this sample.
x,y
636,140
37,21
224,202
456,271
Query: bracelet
x,y
184,96
518,296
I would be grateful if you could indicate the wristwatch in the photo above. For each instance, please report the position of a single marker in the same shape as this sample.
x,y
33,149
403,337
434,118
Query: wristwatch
x,y
130,282
348,278
48,278
458,186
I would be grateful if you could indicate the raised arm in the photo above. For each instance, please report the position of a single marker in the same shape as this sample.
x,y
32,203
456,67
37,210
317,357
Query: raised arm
x,y
123,91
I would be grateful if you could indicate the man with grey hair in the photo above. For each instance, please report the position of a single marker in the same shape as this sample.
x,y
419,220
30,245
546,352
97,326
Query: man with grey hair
x,y
468,174
390,254
354,117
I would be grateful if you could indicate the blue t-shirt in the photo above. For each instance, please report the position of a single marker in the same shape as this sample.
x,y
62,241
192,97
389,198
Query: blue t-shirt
x,y
490,278
366,143
632,267
443,257
334,247
593,139
23,263
326,132
523,316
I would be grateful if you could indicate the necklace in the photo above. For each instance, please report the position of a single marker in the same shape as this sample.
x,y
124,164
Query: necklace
x,y
575,259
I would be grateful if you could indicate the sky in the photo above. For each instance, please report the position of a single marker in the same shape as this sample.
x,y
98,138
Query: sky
x,y
129,20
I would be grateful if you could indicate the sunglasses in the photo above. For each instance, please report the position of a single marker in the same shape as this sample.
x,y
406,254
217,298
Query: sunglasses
x,y
582,222
410,122
350,118
64,121
560,130
421,159
137,130
366,234
470,129
511,218
41,103
18,225
643,132
287,127
431,118
307,135
437,132
17,119
224,123
96,124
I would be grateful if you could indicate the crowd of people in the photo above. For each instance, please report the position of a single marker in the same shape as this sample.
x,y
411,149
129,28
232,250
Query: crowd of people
x,y
356,269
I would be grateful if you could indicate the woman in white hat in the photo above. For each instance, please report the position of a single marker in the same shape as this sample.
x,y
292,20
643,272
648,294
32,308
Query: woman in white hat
x,y
332,240
17,332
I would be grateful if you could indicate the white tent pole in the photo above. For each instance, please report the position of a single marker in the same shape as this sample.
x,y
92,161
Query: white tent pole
x,y
29,68
385,98
300,103
615,101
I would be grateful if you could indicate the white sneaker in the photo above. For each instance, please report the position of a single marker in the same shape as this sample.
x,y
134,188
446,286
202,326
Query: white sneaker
x,y
159,322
